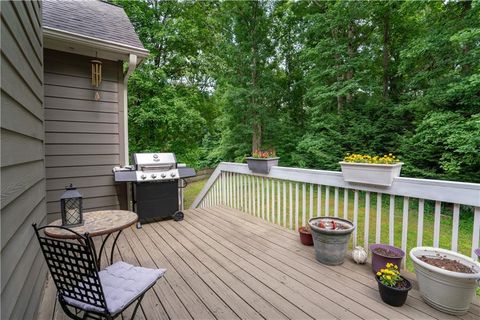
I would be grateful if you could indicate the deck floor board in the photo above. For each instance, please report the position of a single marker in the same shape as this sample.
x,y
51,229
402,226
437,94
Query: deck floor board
x,y
224,264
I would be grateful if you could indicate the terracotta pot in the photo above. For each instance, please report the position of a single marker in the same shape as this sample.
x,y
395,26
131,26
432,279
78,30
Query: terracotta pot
x,y
393,296
379,261
305,236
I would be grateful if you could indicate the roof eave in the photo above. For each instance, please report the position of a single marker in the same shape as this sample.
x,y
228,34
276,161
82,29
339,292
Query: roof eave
x,y
75,38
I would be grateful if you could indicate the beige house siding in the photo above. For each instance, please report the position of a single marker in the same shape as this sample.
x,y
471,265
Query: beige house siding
x,y
22,158
83,136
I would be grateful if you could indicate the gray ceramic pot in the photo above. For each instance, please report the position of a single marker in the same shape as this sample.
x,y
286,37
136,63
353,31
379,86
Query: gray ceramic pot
x,y
448,291
330,245
261,165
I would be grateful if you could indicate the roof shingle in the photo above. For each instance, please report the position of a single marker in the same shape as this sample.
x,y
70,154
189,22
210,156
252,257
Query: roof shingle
x,y
91,18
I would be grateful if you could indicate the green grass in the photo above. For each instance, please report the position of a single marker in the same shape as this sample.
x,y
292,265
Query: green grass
x,y
191,191
465,226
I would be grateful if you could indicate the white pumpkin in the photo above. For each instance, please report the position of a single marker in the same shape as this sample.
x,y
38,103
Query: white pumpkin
x,y
359,255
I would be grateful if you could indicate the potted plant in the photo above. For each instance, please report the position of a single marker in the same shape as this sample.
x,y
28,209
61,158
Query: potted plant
x,y
330,239
305,235
262,161
446,279
383,254
376,170
392,286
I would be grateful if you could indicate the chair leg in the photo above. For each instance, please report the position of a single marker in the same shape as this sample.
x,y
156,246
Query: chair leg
x,y
136,306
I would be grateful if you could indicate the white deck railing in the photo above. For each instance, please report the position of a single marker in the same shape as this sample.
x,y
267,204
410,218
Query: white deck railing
x,y
287,195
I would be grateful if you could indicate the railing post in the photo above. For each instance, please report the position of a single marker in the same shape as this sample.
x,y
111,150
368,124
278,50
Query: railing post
x,y
476,231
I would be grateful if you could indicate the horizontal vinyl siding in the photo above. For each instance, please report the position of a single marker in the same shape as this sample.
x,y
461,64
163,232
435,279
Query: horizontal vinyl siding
x,y
22,159
81,134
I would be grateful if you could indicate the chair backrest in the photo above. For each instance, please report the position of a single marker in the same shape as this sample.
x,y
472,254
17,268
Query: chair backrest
x,y
73,267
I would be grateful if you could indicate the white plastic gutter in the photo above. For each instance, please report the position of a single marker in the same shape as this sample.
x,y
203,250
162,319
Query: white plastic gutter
x,y
132,65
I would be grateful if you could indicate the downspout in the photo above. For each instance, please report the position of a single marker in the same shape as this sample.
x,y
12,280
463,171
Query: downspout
x,y
132,65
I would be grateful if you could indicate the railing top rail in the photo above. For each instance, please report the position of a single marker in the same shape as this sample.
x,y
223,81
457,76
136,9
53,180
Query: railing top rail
x,y
437,190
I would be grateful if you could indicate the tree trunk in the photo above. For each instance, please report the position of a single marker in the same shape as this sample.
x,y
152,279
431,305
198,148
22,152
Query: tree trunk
x,y
256,124
386,55
257,136
351,53
340,98
466,6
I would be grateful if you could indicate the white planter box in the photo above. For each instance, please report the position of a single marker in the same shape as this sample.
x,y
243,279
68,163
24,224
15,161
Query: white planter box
x,y
369,173
447,291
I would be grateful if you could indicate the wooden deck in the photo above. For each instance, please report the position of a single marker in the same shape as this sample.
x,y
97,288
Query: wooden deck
x,y
225,264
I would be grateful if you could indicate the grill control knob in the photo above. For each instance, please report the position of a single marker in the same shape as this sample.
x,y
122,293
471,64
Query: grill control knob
x,y
172,174
163,175
153,175
143,176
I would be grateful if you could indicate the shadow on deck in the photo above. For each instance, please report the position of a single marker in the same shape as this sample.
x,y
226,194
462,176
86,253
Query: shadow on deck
x,y
225,264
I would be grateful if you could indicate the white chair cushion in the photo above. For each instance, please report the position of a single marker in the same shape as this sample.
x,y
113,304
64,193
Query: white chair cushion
x,y
122,283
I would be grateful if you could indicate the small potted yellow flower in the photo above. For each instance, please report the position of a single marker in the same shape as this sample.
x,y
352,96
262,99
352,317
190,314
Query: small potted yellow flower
x,y
392,286
373,170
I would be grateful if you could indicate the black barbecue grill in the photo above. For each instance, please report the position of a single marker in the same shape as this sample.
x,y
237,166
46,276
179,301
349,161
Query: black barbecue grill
x,y
157,183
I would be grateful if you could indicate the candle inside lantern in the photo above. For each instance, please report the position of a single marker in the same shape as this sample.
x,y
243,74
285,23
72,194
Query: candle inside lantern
x,y
71,207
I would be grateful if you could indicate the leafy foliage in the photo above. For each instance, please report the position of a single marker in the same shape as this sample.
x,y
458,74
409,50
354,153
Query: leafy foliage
x,y
313,80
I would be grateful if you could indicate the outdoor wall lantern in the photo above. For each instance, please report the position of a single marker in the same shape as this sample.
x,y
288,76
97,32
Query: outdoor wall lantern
x,y
96,76
71,207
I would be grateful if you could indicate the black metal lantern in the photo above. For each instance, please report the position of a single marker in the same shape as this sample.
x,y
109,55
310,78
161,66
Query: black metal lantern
x,y
71,207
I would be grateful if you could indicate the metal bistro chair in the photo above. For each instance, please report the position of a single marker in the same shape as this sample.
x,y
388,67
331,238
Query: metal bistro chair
x,y
98,294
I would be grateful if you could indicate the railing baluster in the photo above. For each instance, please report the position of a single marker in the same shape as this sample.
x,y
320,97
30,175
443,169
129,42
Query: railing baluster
x,y
247,194
367,221
250,194
327,200
391,220
284,204
436,224
319,200
263,197
258,197
304,204
219,190
273,201
476,232
296,206
237,191
267,212
224,188
225,184
278,203
421,209
355,217
345,203
311,202
243,192
405,225
456,218
290,214
378,226
229,188
215,193
335,205
234,190
207,202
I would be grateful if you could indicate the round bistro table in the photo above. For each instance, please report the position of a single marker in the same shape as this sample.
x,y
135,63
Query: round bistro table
x,y
97,223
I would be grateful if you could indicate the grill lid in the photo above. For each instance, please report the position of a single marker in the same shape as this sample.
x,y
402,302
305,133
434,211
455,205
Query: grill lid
x,y
154,160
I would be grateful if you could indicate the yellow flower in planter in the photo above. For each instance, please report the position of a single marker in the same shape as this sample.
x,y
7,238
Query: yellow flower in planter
x,y
360,158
